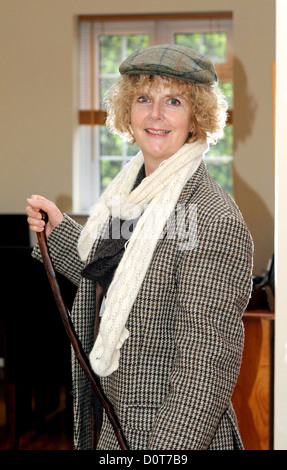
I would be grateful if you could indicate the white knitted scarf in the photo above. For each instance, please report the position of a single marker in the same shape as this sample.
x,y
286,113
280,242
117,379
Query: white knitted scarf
x,y
155,198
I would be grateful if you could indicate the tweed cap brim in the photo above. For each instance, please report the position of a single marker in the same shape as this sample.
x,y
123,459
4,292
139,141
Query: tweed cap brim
x,y
170,60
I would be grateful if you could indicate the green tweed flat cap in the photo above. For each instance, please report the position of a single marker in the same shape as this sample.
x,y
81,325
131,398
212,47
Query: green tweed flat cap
x,y
170,60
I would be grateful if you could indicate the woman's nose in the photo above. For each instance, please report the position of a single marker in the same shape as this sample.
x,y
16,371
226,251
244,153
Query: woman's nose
x,y
156,110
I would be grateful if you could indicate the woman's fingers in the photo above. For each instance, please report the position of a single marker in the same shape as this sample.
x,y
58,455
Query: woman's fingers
x,y
34,216
35,224
36,204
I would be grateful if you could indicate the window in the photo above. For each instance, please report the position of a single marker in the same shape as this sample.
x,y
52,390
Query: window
x,y
103,45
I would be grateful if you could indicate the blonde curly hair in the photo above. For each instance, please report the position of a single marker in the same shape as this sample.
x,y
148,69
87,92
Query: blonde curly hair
x,y
208,104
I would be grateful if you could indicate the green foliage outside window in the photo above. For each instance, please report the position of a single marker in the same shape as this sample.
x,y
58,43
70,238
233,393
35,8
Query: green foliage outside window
x,y
212,45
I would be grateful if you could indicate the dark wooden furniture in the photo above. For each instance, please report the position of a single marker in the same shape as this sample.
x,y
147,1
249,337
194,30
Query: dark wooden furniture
x,y
253,394
33,340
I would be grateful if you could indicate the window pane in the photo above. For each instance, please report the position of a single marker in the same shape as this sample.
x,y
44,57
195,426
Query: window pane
x,y
213,45
224,146
135,42
227,88
114,48
222,172
109,170
110,48
104,85
110,144
219,161
132,149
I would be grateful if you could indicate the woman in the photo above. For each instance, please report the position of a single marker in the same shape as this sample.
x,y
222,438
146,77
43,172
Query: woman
x,y
171,254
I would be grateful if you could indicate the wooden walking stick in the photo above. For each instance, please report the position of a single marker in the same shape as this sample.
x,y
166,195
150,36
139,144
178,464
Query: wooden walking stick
x,y
76,344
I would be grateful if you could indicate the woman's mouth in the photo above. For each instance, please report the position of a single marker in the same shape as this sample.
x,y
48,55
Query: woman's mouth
x,y
157,131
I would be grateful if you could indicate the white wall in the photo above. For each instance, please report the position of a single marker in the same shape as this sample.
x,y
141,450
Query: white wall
x,y
280,416
38,93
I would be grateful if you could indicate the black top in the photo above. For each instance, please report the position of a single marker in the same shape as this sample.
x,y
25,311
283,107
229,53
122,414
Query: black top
x,y
111,249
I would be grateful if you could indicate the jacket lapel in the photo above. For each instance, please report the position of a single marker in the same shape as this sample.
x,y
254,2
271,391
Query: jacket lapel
x,y
192,184
188,192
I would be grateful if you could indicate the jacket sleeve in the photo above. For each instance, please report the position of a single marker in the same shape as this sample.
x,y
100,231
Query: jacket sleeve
x,y
213,288
63,249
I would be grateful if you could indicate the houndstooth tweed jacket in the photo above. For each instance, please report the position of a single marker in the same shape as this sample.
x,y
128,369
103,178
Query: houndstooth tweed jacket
x,y
180,364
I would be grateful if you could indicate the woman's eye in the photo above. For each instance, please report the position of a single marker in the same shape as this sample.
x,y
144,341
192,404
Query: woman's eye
x,y
142,99
174,101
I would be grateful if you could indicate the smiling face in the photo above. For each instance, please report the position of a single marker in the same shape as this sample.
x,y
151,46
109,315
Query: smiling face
x,y
161,120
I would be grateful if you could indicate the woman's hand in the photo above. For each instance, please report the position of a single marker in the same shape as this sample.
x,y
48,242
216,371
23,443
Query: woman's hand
x,y
35,205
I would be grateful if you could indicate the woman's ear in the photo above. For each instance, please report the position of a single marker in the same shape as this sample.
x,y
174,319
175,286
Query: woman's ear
x,y
189,137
